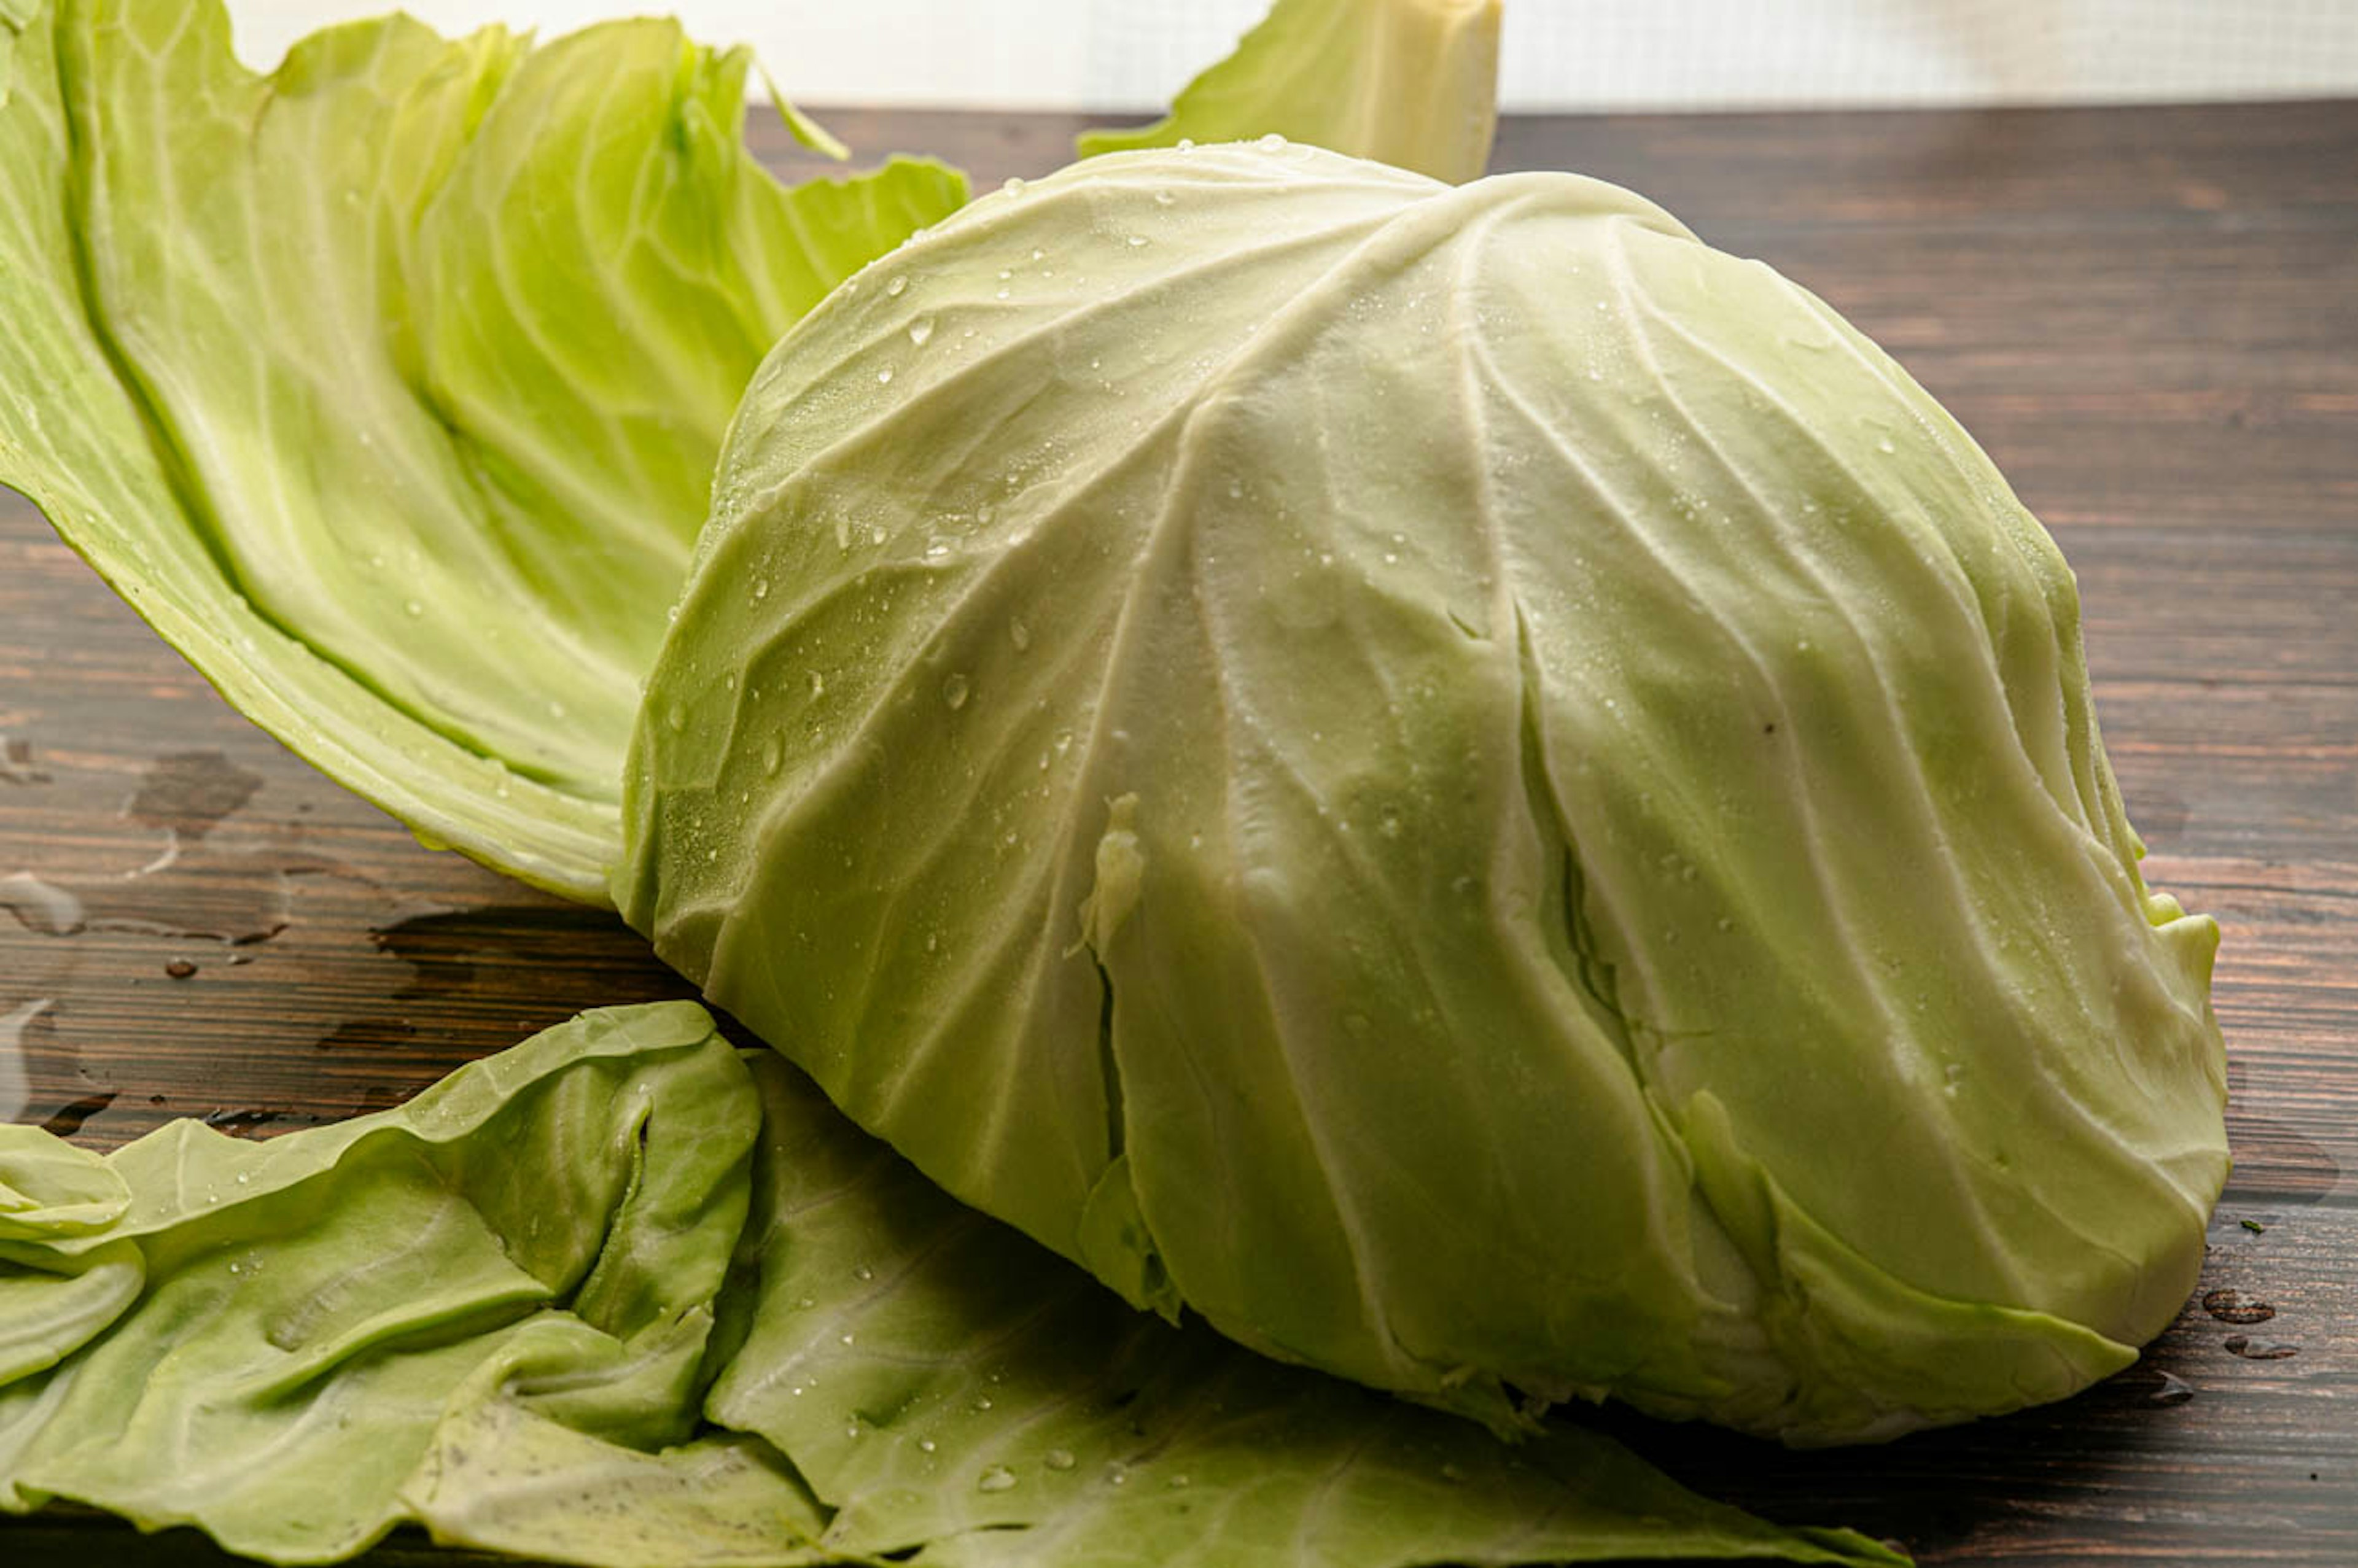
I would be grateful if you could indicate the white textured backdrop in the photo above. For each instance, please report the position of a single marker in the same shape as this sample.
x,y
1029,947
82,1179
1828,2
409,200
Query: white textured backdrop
x,y
1129,55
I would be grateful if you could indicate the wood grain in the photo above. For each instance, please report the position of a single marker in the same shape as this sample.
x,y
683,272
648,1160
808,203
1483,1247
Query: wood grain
x,y
2151,318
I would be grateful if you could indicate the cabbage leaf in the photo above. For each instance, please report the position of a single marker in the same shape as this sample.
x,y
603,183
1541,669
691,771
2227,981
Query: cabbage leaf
x,y
275,1341
498,1312
387,386
1408,83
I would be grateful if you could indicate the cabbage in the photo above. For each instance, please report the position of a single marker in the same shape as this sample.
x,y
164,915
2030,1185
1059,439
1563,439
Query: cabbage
x,y
1482,794
1479,794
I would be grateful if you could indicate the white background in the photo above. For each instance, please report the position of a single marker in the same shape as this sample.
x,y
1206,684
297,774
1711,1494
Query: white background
x,y
1131,55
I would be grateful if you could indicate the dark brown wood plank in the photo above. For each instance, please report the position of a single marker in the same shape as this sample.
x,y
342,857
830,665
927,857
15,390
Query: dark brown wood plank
x,y
2148,315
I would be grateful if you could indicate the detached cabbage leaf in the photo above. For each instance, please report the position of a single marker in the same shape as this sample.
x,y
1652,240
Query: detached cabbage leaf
x,y
1409,82
1483,793
496,1311
283,1344
387,388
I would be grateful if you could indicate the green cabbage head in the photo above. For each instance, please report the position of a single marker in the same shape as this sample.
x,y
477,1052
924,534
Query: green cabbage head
x,y
1484,795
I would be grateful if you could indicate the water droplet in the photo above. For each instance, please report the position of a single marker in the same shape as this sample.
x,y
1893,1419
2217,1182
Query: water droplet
x,y
981,1402
1136,241
896,289
1885,446
925,1446
41,907
1118,1475
863,1273
921,330
885,376
761,589
413,608
998,1478
1006,273
1389,825
1271,143
2174,1391
1164,199
180,968
2233,1306
1063,742
1059,1459
773,755
1000,295
1186,144
2252,1349
1012,185
1452,1473
557,709
817,683
953,691
1176,1482
851,1429
846,1339
1020,634
675,716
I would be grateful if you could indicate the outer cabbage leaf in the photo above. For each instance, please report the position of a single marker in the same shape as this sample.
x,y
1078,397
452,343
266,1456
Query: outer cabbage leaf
x,y
1436,774
317,1325
387,386
1409,82
494,1310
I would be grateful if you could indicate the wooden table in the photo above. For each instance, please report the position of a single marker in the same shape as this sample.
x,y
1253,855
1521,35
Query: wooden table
x,y
2148,315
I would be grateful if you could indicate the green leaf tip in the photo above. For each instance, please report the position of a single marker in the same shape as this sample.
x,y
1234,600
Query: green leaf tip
x,y
1409,82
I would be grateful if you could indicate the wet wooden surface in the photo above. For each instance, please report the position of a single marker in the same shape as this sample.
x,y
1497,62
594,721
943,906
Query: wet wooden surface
x,y
2149,317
